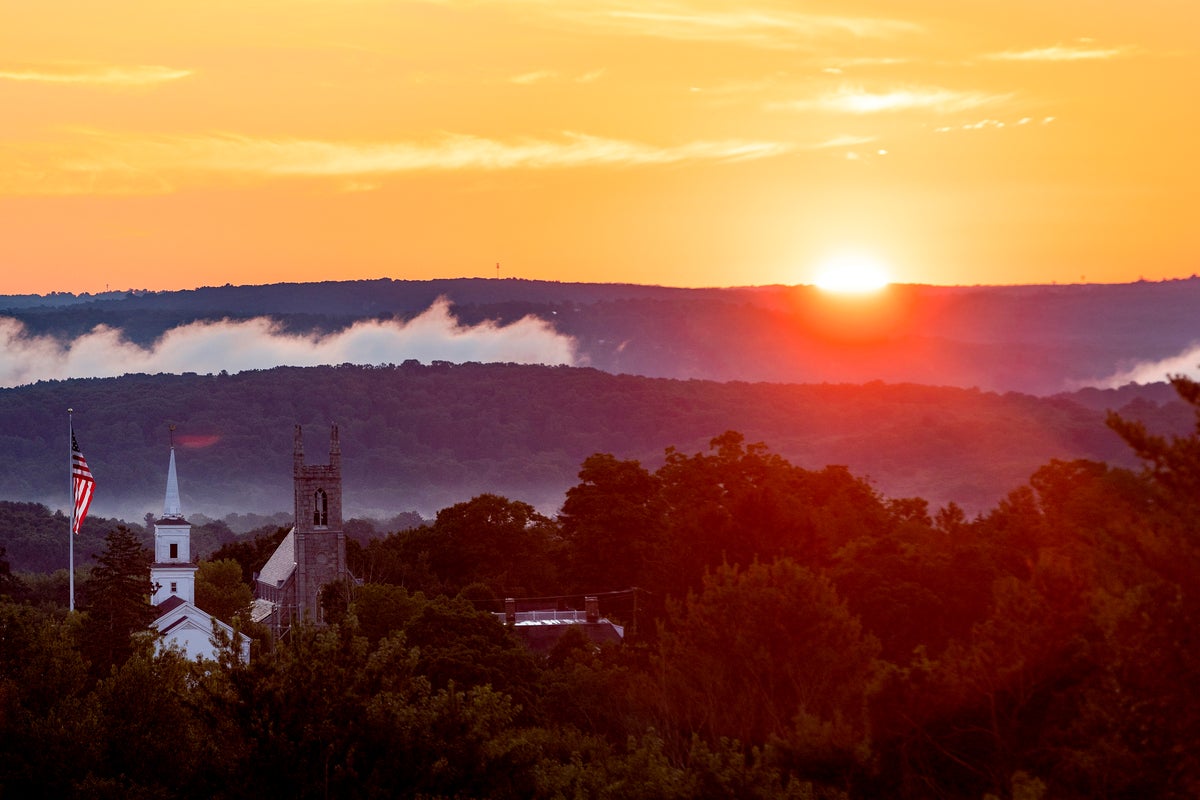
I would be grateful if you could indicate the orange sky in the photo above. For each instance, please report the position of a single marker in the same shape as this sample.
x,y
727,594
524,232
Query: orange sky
x,y
186,143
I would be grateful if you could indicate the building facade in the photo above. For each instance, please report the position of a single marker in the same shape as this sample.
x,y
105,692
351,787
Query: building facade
x,y
313,554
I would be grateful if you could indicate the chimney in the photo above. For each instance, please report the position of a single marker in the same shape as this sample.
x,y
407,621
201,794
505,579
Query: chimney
x,y
510,611
591,604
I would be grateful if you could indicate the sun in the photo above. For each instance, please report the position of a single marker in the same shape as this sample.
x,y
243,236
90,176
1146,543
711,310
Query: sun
x,y
852,273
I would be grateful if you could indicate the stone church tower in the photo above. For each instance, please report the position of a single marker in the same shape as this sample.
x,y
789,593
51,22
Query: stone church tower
x,y
313,554
320,543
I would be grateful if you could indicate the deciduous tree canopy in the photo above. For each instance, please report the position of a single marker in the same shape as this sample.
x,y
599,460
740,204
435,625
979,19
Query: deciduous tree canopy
x,y
798,635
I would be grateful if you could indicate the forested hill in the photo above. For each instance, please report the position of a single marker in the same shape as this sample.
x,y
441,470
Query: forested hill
x,y
1034,339
420,437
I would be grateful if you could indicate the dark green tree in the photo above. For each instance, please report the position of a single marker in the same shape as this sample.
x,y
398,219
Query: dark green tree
x,y
116,597
612,525
9,585
220,590
1149,629
49,733
505,544
382,608
155,740
739,502
771,653
1172,461
252,550
465,647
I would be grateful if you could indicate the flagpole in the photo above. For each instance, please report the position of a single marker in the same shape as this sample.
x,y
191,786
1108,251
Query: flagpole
x,y
71,501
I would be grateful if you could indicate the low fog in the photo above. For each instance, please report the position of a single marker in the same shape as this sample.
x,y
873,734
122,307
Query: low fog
x,y
260,343
1185,363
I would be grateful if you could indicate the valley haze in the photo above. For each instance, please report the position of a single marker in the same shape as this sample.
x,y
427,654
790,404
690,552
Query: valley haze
x,y
449,388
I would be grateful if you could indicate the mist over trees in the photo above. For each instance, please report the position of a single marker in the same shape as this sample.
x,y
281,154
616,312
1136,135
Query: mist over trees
x,y
1033,339
423,437
794,633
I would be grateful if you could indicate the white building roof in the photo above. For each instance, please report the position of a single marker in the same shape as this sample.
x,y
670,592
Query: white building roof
x,y
282,563
190,629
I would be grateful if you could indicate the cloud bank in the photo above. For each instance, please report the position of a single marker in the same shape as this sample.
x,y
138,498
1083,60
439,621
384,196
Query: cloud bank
x,y
1186,363
260,343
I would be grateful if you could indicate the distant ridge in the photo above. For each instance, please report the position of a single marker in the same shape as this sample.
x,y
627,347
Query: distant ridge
x,y
1036,339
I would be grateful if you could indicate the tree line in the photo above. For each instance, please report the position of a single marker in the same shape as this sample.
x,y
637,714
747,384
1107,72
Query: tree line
x,y
796,634
421,437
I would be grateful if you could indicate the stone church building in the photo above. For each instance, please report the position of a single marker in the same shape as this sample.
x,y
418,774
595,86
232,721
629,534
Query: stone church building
x,y
313,554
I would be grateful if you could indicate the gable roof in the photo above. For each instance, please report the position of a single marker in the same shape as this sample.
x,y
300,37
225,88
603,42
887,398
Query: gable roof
x,y
177,623
282,563
172,602
183,611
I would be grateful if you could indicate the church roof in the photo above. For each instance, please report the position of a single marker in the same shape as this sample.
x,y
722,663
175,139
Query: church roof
x,y
172,626
261,610
177,617
174,565
172,602
282,563
175,611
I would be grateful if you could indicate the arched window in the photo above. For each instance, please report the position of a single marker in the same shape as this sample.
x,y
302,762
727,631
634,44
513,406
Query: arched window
x,y
320,508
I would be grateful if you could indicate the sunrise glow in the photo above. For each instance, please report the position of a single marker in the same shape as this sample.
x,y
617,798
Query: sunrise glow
x,y
852,274
683,143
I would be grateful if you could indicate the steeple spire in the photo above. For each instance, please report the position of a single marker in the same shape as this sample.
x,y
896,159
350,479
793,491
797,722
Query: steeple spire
x,y
172,509
173,573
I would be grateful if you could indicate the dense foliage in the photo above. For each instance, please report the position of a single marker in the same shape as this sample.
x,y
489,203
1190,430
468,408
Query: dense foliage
x,y
420,438
796,634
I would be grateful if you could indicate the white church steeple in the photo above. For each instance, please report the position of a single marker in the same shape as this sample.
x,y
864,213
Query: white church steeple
x,y
173,573
172,508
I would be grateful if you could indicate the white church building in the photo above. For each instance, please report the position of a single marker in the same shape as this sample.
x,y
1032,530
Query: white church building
x,y
180,621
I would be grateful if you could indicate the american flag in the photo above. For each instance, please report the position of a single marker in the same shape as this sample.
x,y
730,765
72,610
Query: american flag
x,y
82,483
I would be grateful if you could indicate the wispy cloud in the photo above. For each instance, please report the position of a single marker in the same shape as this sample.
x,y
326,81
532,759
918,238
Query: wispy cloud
x,y
234,346
453,152
1084,50
110,75
129,164
763,24
840,65
842,141
994,124
751,26
852,100
533,77
544,75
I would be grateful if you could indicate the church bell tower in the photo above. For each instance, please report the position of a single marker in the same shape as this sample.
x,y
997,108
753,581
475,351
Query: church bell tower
x,y
320,540
172,573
